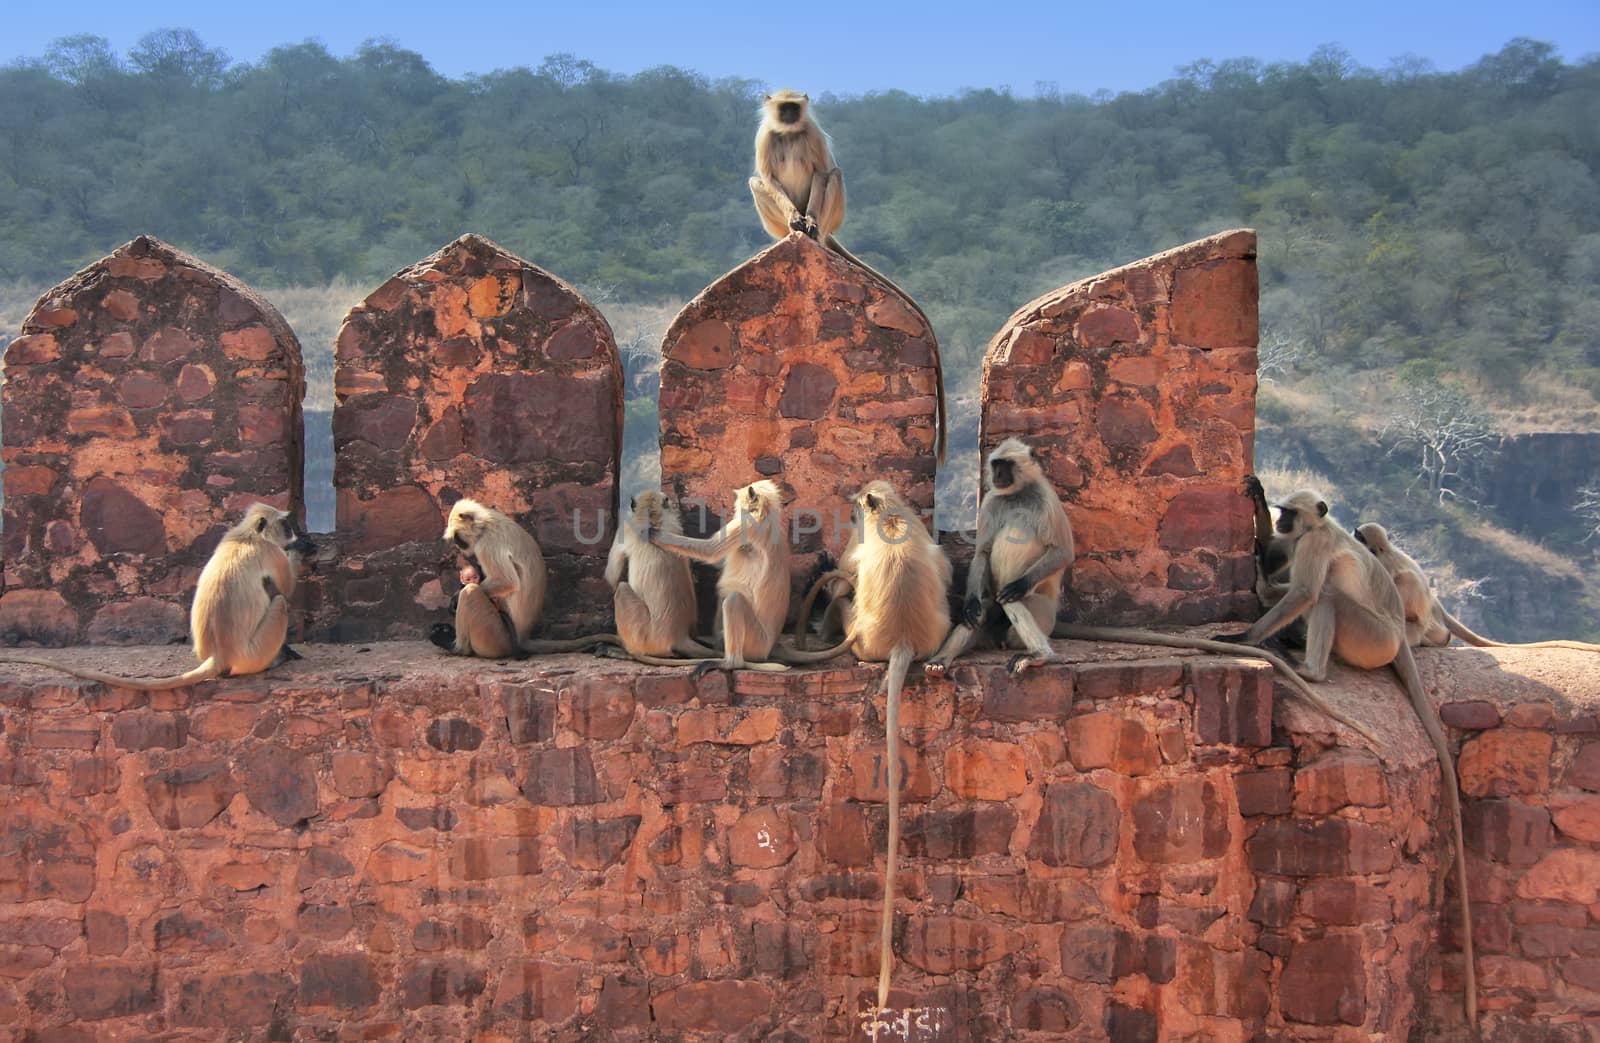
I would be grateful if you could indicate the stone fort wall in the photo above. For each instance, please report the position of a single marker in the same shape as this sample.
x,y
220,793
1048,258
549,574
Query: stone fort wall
x,y
381,842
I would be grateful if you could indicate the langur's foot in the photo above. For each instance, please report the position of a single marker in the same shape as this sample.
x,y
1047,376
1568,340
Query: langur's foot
x,y
1240,638
443,635
1020,662
706,666
935,669
287,654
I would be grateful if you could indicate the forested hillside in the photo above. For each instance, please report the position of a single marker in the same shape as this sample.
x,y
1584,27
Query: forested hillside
x,y
1427,237
1404,212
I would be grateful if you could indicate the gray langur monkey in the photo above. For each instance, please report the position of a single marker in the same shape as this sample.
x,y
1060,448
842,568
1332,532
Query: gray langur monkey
x,y
239,620
499,605
1272,561
1353,610
503,588
797,187
1018,569
1272,550
753,588
652,588
898,613
1427,621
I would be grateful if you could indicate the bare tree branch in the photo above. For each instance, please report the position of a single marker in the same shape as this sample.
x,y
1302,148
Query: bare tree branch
x,y
1446,429
1588,508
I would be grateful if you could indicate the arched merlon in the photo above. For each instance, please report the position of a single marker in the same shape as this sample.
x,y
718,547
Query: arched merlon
x,y
1138,386
799,367
471,373
149,399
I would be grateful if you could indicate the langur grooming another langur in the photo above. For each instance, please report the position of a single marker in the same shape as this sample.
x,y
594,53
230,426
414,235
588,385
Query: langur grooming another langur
x,y
652,589
1023,553
1427,622
798,188
240,616
1354,611
753,589
1272,550
1272,561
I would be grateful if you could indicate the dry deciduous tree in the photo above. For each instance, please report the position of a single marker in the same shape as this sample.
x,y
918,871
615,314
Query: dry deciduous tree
x,y
1446,430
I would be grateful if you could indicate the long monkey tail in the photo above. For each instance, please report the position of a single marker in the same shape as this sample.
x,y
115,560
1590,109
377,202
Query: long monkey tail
x,y
1405,665
571,644
804,619
1477,640
938,367
206,671
1128,635
899,663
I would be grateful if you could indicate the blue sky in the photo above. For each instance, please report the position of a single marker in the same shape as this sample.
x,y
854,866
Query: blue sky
x,y
925,48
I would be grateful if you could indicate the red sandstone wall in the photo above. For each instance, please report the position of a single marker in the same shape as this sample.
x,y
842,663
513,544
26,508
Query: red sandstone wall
x,y
1101,849
798,366
149,400
1530,772
1139,386
471,373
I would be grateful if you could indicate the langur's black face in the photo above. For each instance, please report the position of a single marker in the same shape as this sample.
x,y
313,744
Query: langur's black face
x,y
1361,539
789,112
301,543
1003,474
1286,518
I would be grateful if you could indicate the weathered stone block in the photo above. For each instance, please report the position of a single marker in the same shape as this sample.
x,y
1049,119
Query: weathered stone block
x,y
1325,981
562,777
341,981
1330,847
1182,820
1507,830
721,1007
1505,762
1339,778
1078,826
1111,740
97,991
1232,703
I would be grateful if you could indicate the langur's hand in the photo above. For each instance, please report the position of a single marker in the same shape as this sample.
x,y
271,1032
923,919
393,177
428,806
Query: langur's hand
x,y
1016,590
1253,489
798,224
972,611
470,574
